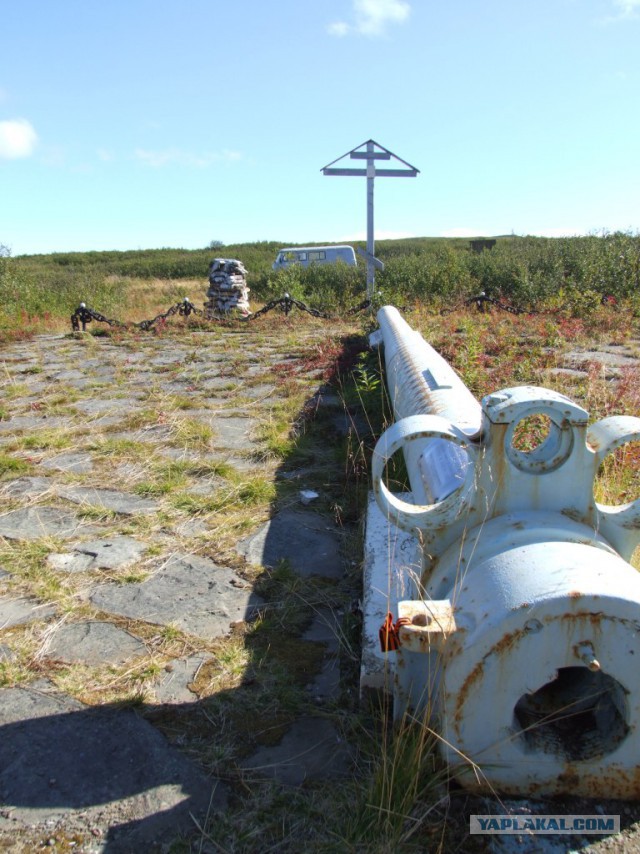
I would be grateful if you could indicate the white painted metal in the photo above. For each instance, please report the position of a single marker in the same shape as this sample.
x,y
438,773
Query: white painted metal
x,y
421,383
522,646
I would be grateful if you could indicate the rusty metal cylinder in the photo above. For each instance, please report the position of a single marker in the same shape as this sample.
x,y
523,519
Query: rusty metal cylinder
x,y
521,643
538,684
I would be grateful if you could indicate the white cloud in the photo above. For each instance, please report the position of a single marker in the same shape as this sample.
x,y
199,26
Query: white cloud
x,y
371,17
339,29
178,157
17,139
627,8
624,10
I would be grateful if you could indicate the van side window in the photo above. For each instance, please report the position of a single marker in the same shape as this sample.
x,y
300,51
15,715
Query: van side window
x,y
302,256
317,256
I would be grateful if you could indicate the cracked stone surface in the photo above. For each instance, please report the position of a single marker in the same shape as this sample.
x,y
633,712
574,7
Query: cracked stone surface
x,y
32,523
233,433
71,462
27,487
14,612
190,592
109,553
173,687
109,499
313,550
93,643
311,750
74,760
80,767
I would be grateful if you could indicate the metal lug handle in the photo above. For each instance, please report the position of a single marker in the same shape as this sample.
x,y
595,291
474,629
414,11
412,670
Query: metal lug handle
x,y
410,516
619,523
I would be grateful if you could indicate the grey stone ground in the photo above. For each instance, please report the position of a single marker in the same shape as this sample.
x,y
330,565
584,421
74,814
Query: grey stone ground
x,y
103,772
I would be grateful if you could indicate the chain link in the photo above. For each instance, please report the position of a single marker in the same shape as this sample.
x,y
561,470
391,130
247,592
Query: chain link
x,y
480,303
184,309
83,315
285,304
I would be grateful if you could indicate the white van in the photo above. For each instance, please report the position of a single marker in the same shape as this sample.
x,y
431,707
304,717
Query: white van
x,y
306,255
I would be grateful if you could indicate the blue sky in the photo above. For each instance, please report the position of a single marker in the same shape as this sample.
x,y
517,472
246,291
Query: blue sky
x,y
146,123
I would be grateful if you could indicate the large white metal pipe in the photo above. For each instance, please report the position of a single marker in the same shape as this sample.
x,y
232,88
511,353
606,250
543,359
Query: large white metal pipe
x,y
521,642
421,382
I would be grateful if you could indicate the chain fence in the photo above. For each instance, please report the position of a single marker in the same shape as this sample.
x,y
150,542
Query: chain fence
x,y
83,315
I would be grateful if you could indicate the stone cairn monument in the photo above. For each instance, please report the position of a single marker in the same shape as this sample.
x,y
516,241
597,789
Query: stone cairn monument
x,y
228,289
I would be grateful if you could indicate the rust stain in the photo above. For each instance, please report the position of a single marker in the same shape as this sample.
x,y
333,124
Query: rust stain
x,y
461,699
569,778
574,594
508,641
613,781
594,617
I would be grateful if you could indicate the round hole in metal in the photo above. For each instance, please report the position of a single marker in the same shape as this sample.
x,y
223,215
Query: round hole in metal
x,y
580,715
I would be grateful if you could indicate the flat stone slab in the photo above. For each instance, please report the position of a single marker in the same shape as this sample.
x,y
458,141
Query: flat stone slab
x,y
109,499
311,750
610,359
173,687
218,384
22,365
233,433
114,406
96,767
262,391
67,376
69,562
73,463
32,422
567,372
326,628
303,539
189,592
155,433
14,612
93,643
326,685
109,553
191,528
32,523
27,487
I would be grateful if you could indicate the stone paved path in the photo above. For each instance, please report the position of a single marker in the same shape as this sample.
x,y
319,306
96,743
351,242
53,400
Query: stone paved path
x,y
132,535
